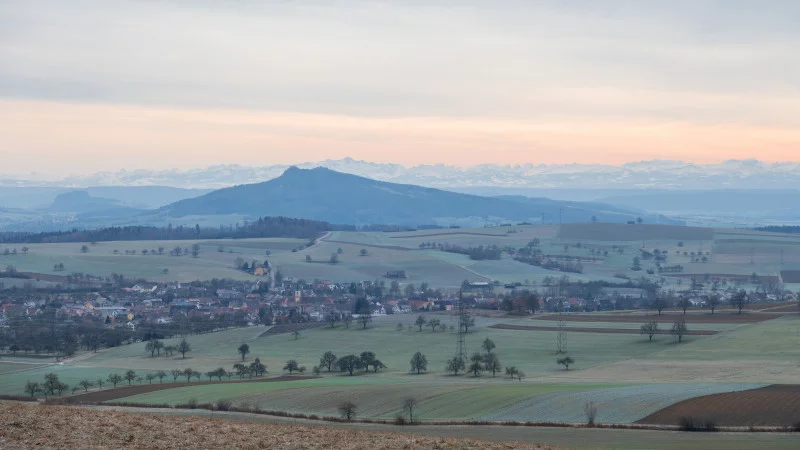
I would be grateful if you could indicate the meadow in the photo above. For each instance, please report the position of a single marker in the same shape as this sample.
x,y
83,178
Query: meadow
x,y
627,377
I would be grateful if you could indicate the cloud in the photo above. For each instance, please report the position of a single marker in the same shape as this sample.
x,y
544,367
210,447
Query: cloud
x,y
692,65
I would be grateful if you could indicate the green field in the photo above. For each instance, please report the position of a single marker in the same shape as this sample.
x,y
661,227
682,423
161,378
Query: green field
x,y
627,376
733,253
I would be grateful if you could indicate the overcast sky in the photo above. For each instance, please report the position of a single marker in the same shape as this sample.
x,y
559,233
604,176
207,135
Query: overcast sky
x,y
89,85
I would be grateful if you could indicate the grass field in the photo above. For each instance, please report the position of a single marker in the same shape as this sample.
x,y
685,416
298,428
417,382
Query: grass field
x,y
625,374
729,253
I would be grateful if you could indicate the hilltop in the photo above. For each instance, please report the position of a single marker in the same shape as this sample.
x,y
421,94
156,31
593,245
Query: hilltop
x,y
324,194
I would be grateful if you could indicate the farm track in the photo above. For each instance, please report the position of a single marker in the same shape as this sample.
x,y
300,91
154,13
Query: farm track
x,y
670,317
595,330
448,234
127,391
386,247
776,405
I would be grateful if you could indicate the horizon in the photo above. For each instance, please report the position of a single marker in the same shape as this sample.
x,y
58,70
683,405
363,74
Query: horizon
x,y
102,86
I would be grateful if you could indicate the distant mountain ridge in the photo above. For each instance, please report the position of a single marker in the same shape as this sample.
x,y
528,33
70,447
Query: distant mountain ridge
x,y
656,174
340,198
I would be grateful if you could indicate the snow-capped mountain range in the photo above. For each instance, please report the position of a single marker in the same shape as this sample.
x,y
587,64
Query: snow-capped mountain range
x,y
656,174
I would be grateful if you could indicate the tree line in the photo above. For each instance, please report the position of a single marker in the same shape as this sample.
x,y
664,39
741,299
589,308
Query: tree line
x,y
259,228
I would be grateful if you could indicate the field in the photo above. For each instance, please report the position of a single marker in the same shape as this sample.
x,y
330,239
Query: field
x,y
626,376
30,426
777,405
731,255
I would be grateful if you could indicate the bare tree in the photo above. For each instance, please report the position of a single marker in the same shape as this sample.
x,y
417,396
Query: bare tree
x,y
347,410
739,300
590,410
408,405
679,329
712,301
650,329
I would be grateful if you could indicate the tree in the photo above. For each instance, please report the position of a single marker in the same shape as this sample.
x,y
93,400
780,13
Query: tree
x,y
25,250
349,363
410,290
637,266
455,365
420,322
679,329
114,379
347,410
176,373
363,252
488,345
130,376
332,318
99,382
566,361
433,324
184,348
195,250
334,258
739,300
364,318
590,410
169,350
188,373
367,359
419,363
153,346
511,371
51,384
150,377
291,366
492,363
161,375
347,318
660,302
32,388
84,249
520,375
650,329
712,301
308,258
408,405
258,368
328,360
241,370
476,366
684,303
296,334
243,350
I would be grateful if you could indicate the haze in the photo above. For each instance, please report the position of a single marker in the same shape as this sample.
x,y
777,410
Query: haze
x,y
104,85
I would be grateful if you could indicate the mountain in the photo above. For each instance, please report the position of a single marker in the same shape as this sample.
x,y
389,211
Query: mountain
x,y
656,174
324,194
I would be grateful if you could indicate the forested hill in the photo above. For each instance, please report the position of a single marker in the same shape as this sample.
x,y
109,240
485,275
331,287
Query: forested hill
x,y
262,227
327,195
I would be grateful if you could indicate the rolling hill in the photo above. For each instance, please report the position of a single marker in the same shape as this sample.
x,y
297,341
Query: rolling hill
x,y
324,194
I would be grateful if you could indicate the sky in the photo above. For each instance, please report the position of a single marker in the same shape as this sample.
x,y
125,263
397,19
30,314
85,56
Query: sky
x,y
95,85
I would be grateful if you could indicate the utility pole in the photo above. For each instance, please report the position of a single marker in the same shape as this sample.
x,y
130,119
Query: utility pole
x,y
461,346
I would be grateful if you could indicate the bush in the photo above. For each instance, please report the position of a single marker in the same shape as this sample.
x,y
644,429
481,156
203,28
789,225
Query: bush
x,y
690,423
224,405
400,420
192,403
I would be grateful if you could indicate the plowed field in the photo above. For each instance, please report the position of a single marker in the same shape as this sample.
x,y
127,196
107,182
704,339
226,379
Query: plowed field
x,y
669,317
596,330
776,405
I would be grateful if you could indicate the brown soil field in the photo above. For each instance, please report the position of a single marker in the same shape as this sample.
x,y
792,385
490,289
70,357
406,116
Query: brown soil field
x,y
669,317
790,276
136,389
596,330
776,405
25,426
625,232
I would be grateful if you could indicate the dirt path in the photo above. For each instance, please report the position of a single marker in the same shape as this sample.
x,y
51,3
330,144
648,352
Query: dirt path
x,y
501,326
